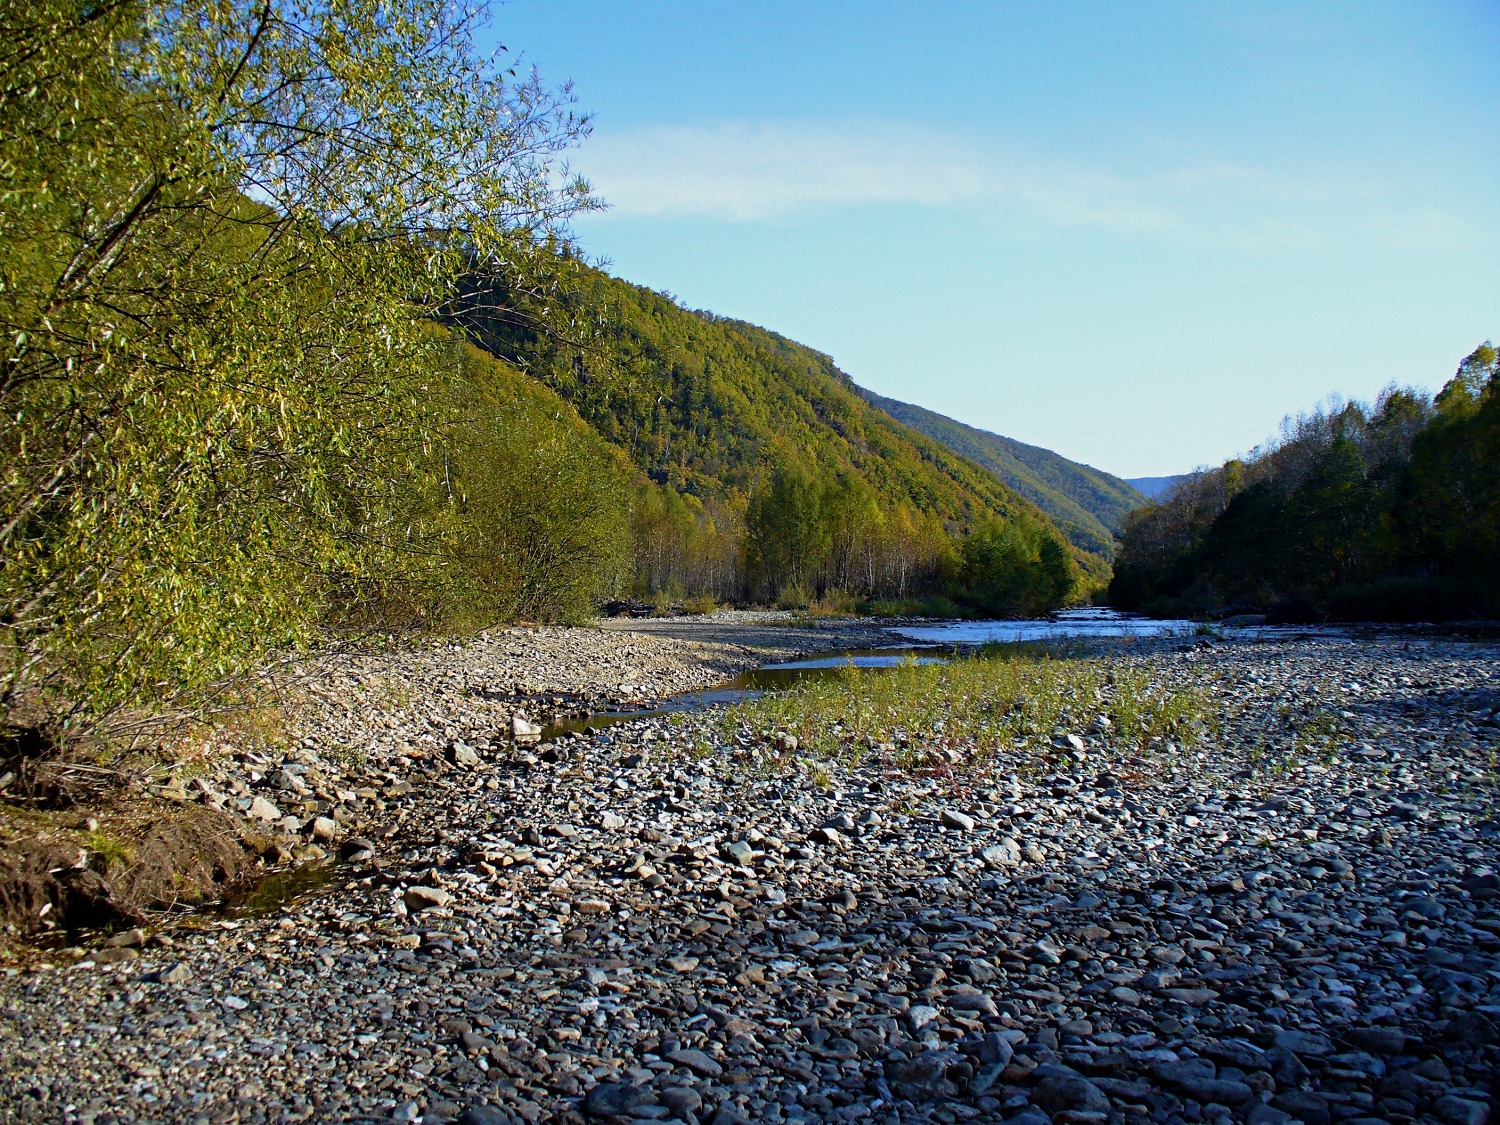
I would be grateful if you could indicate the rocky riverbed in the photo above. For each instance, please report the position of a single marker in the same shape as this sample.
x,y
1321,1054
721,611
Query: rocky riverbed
x,y
1297,917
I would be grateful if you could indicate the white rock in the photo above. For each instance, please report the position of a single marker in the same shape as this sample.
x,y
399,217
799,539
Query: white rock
x,y
952,818
1007,853
262,809
920,1015
464,755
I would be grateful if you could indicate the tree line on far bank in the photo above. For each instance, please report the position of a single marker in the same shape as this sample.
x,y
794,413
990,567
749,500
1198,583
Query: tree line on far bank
x,y
803,537
539,518
1383,512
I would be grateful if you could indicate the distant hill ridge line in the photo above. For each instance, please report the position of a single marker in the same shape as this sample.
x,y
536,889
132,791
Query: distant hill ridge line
x,y
1087,504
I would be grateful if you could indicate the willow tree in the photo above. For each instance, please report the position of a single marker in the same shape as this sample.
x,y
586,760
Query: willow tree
x,y
224,232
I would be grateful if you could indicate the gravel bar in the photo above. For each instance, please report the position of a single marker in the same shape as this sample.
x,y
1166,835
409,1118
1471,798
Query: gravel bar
x,y
1297,919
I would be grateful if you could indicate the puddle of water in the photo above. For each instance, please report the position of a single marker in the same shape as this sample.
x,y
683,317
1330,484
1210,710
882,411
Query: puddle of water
x,y
271,892
1069,624
775,677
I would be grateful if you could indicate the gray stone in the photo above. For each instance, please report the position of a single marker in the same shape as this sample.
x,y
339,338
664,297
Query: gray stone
x,y
356,848
1461,1111
612,1099
262,809
696,1061
114,956
739,852
681,1100
1263,1114
1007,853
974,1002
1225,1091
1181,1070
996,1048
1304,1043
463,755
485,1115
1234,1052
919,1016
425,898
1309,1108
1378,1040
1474,1028
1196,997
1058,1093
923,1078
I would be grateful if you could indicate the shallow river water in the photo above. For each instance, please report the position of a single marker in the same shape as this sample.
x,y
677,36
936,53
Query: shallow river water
x,y
1065,625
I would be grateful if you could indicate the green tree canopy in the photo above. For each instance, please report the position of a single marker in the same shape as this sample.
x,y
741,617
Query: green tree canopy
x,y
223,230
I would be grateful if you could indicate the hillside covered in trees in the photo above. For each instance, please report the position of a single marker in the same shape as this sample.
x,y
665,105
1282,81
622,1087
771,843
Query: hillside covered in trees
x,y
1088,505
772,476
1390,511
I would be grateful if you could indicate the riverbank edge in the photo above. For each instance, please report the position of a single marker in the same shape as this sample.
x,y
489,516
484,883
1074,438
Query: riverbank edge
x,y
166,838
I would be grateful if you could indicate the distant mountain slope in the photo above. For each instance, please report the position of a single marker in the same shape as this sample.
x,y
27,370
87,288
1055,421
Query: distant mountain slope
x,y
708,405
1155,488
1088,505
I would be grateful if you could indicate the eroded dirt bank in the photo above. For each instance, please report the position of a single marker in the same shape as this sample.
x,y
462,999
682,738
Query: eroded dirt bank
x,y
1297,919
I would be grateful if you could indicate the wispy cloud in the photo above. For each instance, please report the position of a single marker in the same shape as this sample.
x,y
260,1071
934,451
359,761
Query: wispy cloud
x,y
747,171
744,172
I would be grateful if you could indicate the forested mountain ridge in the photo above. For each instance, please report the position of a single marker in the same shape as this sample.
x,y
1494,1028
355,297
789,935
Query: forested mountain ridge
x,y
1087,504
708,407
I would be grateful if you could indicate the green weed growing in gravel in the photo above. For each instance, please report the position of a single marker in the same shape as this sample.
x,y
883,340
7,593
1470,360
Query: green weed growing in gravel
x,y
971,708
1315,735
397,694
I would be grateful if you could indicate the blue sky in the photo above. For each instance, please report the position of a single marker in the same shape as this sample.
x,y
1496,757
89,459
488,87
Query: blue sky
x,y
1138,234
